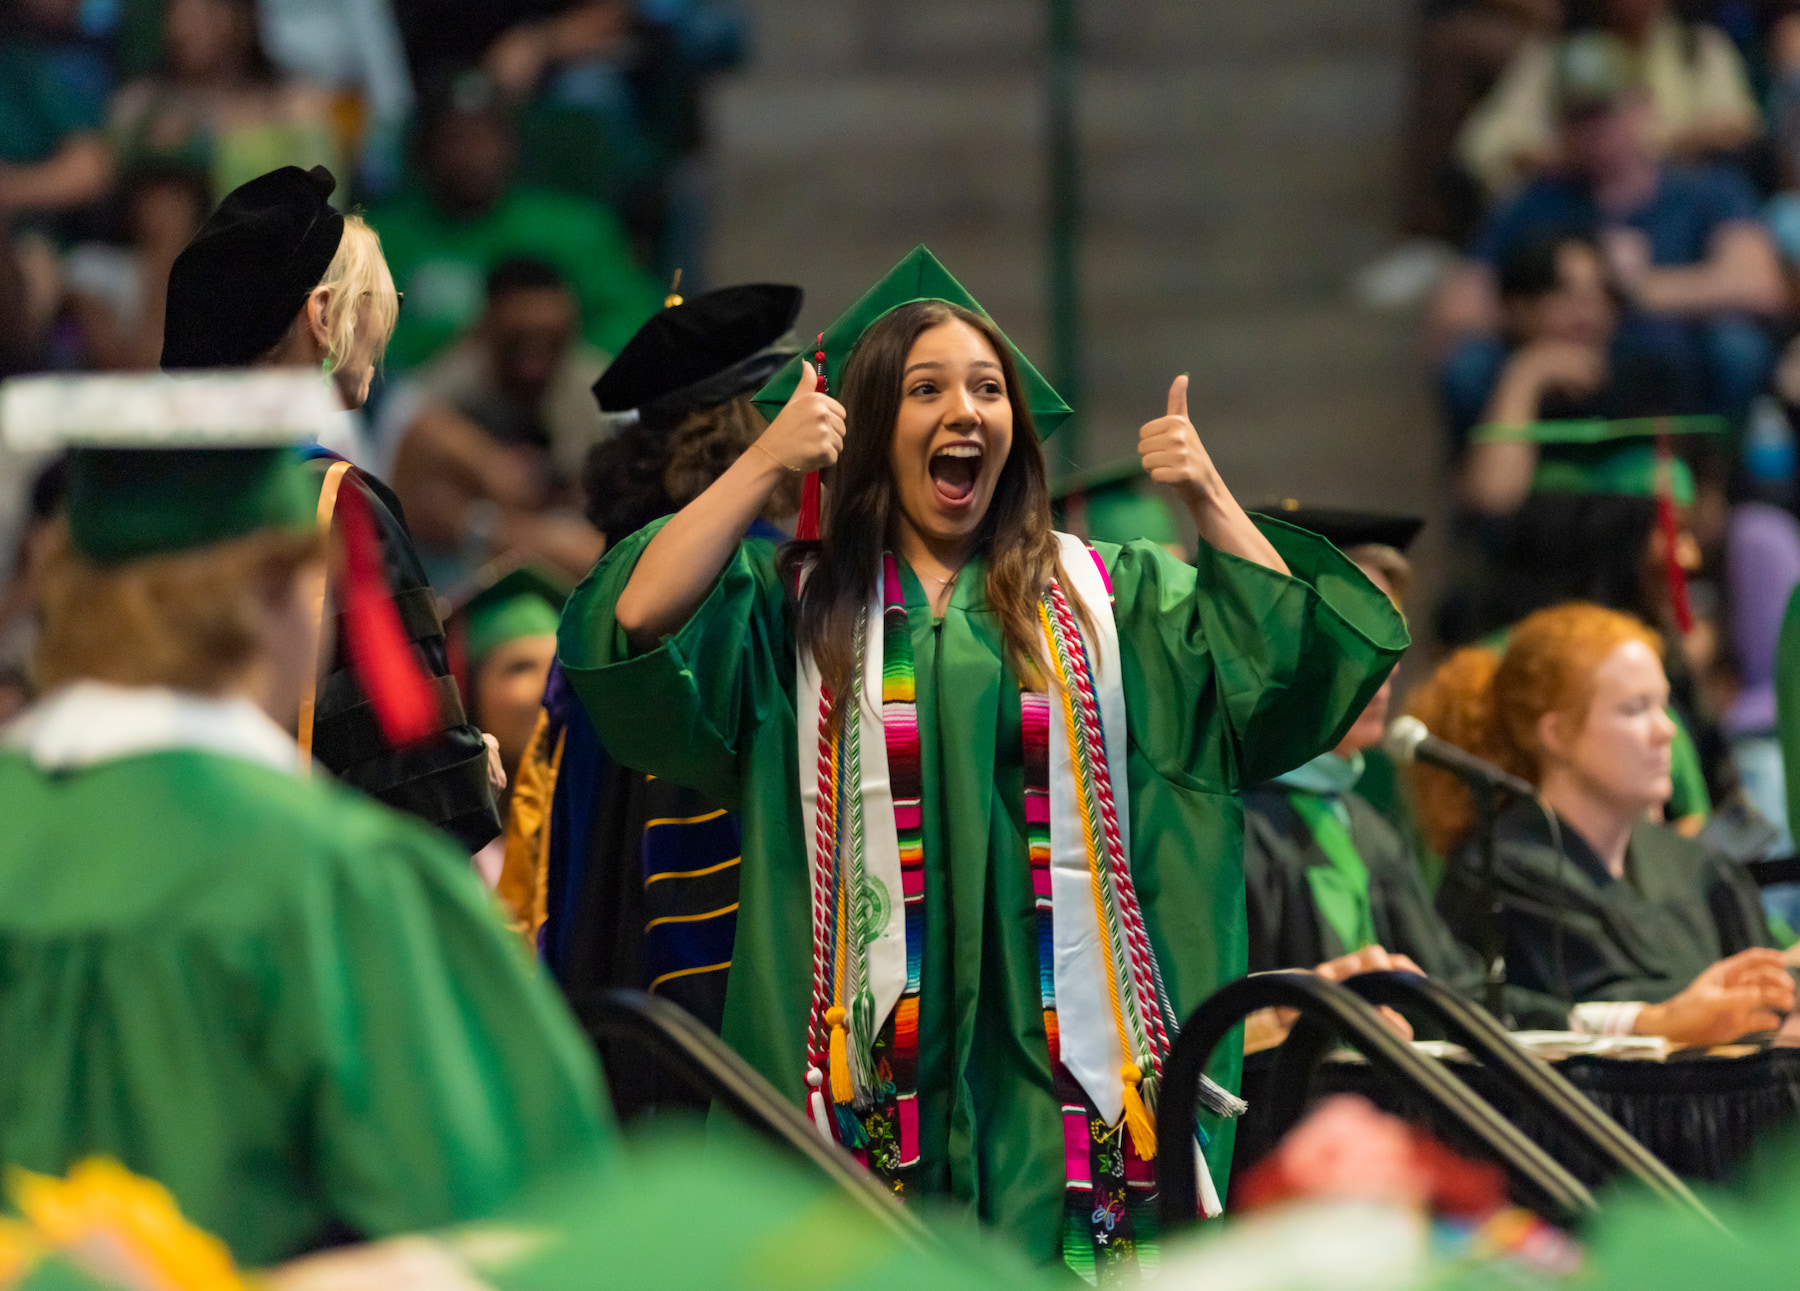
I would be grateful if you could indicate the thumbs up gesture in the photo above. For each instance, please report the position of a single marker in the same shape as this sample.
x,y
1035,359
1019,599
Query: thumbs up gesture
x,y
1172,454
808,433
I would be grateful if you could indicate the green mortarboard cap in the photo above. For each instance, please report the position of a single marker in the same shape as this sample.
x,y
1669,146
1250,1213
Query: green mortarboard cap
x,y
1631,468
1597,430
1633,471
1119,505
162,463
1594,69
918,276
526,602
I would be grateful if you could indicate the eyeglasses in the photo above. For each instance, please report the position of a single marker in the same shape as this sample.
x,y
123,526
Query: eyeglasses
x,y
399,300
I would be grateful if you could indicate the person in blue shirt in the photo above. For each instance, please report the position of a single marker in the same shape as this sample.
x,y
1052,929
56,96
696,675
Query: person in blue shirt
x,y
1682,245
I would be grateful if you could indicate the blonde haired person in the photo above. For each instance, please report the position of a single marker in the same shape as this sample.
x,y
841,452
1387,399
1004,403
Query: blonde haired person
x,y
276,277
1627,927
290,1006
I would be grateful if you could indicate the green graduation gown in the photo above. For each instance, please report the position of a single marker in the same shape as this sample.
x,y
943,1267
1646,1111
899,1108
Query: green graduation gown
x,y
1680,908
1287,929
296,1009
1231,672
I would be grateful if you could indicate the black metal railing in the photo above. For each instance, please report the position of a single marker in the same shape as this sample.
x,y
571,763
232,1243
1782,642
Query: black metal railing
x,y
1530,1082
1329,1011
710,1068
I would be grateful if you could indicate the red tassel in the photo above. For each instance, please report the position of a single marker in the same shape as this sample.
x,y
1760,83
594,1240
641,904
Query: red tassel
x,y
383,658
806,528
1666,523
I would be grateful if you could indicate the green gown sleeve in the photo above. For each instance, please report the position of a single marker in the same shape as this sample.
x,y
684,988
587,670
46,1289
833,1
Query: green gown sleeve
x,y
709,684
445,1072
1278,666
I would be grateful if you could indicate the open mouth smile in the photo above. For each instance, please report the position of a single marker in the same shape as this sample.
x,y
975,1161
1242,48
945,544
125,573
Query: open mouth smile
x,y
954,469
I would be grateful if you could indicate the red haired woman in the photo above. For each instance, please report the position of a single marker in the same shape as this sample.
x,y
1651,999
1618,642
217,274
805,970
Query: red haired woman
x,y
1629,927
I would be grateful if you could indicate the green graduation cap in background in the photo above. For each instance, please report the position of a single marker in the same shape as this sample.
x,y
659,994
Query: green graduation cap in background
x,y
1599,456
919,276
522,602
1117,503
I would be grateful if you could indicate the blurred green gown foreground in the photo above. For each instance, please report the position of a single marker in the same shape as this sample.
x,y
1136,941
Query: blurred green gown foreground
x,y
1232,673
294,1008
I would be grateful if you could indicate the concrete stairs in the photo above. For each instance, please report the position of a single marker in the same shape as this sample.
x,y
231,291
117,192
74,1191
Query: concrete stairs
x,y
1239,159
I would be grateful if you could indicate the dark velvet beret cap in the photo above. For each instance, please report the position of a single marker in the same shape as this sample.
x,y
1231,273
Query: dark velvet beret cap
x,y
235,289
1345,528
701,353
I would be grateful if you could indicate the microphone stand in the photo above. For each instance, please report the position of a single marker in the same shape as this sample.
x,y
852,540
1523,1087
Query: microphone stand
x,y
1408,740
1493,950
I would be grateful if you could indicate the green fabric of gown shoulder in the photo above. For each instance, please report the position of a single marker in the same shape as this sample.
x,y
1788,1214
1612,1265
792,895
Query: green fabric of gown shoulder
x,y
1679,909
297,1010
1231,673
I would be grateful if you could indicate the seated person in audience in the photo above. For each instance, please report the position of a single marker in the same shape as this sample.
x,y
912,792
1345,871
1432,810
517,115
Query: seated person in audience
x,y
1561,321
1463,47
115,295
53,91
1682,245
1612,923
216,103
293,1007
1608,522
489,436
354,50
1327,875
1701,104
465,214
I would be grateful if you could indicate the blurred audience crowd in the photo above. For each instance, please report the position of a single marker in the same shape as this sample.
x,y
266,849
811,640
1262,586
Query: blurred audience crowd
x,y
531,169
1603,198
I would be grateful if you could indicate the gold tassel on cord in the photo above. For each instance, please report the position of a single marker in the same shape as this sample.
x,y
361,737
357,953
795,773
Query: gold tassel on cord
x,y
1137,1116
841,1089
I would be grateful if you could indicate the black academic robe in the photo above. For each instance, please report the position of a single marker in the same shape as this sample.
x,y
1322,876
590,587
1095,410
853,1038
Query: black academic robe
x,y
1572,933
1286,929
443,778
642,892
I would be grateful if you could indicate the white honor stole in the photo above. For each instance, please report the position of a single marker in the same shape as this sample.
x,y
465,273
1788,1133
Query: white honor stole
x,y
1089,1030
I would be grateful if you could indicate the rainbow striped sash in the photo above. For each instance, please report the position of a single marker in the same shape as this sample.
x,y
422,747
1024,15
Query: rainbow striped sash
x,y
1107,1017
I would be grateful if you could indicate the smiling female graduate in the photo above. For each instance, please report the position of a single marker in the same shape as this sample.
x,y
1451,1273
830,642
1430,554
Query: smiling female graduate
x,y
988,776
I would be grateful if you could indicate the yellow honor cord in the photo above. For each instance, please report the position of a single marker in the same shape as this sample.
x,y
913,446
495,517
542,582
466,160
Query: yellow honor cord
x,y
841,1089
1137,1116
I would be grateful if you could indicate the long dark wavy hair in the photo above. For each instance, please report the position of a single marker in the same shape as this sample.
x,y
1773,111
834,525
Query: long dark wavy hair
x,y
860,514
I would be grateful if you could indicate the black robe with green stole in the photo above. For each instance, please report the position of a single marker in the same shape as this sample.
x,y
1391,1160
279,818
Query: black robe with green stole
x,y
1282,856
1573,933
